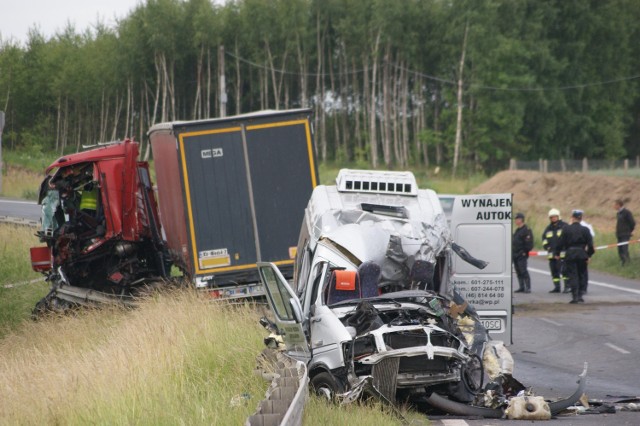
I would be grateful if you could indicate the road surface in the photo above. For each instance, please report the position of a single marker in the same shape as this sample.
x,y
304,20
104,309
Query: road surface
x,y
19,210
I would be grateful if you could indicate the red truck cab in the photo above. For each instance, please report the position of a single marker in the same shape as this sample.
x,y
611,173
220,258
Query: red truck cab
x,y
100,224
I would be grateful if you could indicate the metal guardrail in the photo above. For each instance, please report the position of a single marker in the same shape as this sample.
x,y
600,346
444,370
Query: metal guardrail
x,y
286,396
19,221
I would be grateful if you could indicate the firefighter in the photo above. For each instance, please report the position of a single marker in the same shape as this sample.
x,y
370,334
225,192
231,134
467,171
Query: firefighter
x,y
577,243
89,198
521,245
550,236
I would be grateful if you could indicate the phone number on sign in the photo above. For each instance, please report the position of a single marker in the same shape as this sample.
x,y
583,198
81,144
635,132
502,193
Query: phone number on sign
x,y
487,282
484,295
495,289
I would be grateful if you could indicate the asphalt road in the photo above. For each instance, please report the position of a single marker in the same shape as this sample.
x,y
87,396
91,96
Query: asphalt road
x,y
20,209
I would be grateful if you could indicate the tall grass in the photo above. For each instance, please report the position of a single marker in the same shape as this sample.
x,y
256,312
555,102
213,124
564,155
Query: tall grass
x,y
178,359
17,301
21,183
23,171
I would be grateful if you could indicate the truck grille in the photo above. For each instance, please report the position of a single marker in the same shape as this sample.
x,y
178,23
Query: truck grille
x,y
418,364
408,339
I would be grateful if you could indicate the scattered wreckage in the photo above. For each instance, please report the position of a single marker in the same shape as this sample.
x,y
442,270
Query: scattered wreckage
x,y
372,308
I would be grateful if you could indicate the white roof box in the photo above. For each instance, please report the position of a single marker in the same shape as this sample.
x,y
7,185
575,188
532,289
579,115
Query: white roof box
x,y
377,182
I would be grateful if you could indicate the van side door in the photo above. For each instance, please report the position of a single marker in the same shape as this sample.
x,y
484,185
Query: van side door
x,y
287,311
481,224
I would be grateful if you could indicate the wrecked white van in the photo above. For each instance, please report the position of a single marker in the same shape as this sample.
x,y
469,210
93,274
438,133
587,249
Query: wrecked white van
x,y
372,304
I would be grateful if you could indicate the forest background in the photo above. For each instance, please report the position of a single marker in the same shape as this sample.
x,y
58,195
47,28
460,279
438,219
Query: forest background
x,y
465,84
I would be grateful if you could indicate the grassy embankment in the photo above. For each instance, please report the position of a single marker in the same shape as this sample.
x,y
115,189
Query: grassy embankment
x,y
22,173
177,359
15,269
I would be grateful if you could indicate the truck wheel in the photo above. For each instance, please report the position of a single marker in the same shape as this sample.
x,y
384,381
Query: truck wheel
x,y
43,307
325,385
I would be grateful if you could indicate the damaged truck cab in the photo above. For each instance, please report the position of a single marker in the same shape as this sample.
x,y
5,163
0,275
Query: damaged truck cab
x,y
101,228
373,304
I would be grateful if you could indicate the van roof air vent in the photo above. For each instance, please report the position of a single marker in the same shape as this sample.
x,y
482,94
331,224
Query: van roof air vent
x,y
378,182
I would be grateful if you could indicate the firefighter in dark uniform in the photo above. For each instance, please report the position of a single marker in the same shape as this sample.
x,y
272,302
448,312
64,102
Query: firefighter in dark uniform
x,y
550,236
577,243
521,245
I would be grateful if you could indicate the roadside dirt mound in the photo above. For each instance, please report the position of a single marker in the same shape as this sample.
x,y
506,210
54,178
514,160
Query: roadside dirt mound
x,y
534,193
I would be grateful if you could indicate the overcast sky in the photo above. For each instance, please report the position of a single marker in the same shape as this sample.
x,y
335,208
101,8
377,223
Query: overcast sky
x,y
52,16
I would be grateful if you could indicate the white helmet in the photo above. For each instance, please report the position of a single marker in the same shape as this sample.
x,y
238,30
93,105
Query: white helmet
x,y
554,212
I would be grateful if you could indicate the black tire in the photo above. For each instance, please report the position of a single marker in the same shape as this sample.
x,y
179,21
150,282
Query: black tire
x,y
44,306
471,381
325,385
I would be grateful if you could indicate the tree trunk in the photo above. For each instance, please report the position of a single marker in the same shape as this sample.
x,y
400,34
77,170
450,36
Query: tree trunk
x,y
334,112
456,149
372,111
222,91
171,89
358,109
116,118
302,65
66,137
238,82
436,127
405,116
197,102
128,117
386,108
58,122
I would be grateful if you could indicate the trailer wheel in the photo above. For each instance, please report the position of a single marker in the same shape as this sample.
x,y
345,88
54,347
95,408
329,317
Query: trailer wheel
x,y
325,385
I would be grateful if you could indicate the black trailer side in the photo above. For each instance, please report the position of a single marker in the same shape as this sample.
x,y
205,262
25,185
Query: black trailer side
x,y
245,182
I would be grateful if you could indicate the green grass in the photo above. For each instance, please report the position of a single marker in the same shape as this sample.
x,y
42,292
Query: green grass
x,y
320,412
607,260
33,160
17,302
23,171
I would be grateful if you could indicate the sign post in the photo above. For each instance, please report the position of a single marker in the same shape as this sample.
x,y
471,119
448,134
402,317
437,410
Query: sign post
x,y
1,165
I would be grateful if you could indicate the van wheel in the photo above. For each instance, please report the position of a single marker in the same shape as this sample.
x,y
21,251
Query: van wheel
x,y
325,385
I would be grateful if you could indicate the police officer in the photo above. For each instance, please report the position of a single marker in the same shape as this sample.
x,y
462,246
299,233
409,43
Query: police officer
x,y
625,224
550,236
521,245
577,242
